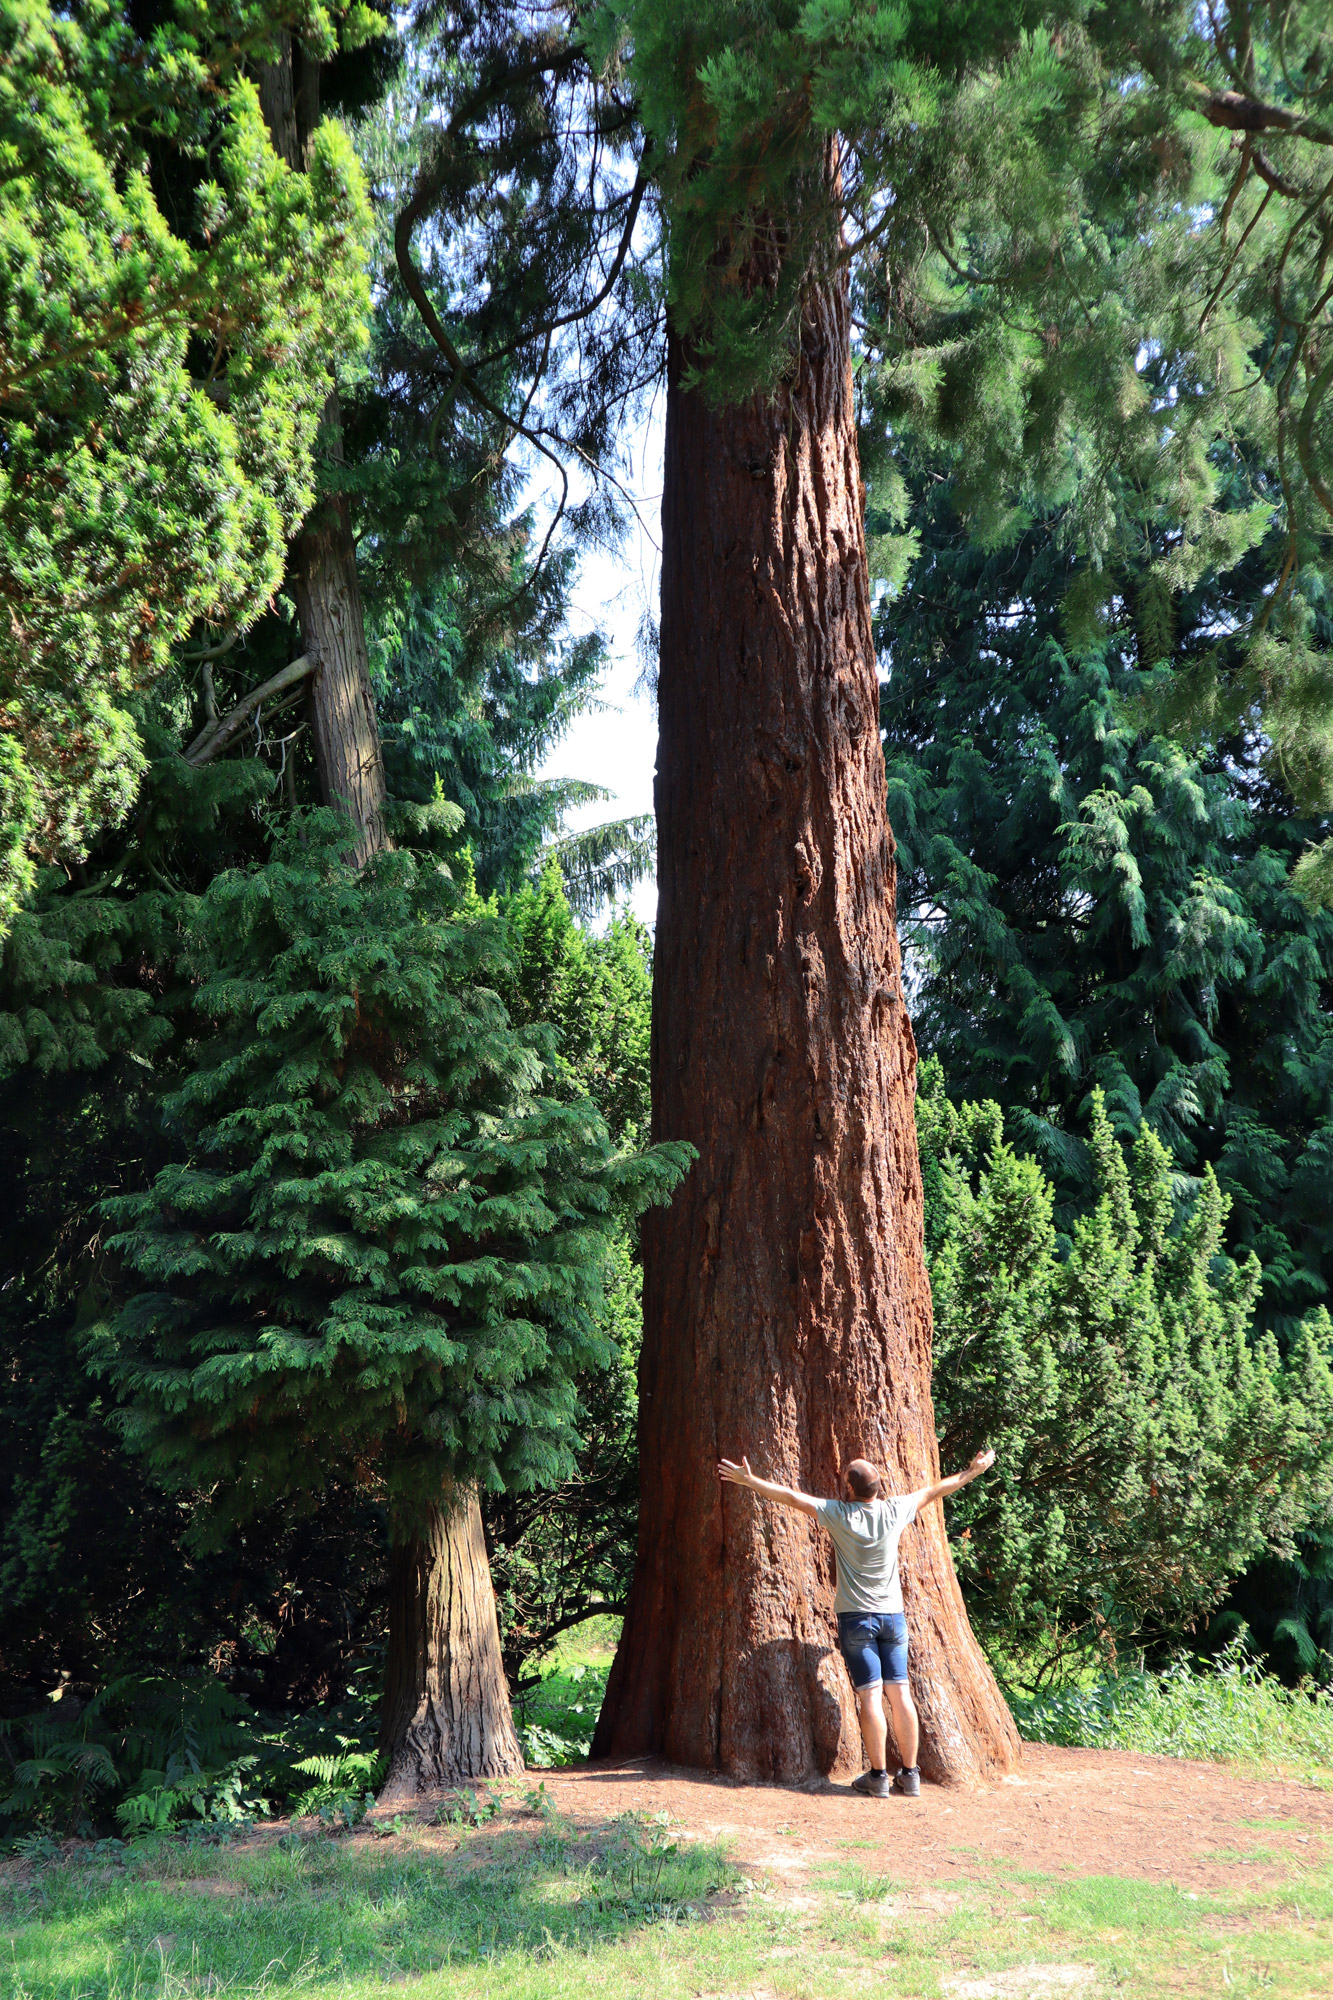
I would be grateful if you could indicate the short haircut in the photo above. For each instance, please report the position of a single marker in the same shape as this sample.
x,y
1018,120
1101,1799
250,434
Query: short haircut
x,y
863,1479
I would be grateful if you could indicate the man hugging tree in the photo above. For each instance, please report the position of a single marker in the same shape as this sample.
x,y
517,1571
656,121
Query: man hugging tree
x,y
872,1630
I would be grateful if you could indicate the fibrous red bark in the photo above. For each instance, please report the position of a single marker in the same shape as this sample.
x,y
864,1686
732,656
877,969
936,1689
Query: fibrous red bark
x,y
786,1301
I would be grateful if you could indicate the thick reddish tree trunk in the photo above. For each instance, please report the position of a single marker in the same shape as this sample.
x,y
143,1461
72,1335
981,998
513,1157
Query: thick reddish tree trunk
x,y
786,1302
446,1715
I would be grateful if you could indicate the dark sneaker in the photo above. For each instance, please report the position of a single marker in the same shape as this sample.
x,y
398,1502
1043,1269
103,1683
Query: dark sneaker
x,y
875,1784
908,1784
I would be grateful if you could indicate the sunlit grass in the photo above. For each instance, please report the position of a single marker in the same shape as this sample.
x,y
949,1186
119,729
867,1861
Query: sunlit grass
x,y
171,1916
533,1907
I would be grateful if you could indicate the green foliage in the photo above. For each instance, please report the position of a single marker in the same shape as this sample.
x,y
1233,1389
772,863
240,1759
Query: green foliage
x,y
380,1250
1085,904
156,1748
1147,1445
1074,269
345,1783
595,991
1117,322
96,1578
545,316
557,1714
98,1568
604,862
172,299
556,1556
150,1753
1286,1608
475,678
470,710
740,105
1226,1711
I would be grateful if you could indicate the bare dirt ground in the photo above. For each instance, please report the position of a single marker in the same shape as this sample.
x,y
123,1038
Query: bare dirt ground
x,y
1072,1812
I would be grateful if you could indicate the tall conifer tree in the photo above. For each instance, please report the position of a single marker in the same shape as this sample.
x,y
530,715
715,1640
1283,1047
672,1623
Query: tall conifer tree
x,y
959,169
1087,904
469,645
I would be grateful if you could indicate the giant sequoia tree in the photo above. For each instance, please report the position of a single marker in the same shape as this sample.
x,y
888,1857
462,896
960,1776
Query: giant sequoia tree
x,y
962,183
788,1289
787,1309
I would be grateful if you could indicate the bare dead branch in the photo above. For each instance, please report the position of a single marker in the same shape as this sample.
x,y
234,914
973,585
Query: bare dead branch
x,y
213,740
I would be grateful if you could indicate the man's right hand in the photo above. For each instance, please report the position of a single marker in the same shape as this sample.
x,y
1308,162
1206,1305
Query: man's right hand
x,y
764,1489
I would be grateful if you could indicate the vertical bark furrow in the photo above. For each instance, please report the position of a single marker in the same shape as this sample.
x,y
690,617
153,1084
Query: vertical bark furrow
x,y
446,1707
787,1310
342,705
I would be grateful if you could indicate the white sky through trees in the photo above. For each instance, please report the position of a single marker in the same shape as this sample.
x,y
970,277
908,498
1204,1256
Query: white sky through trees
x,y
615,744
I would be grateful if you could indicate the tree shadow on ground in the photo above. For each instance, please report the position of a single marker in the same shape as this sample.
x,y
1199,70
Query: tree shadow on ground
x,y
384,1907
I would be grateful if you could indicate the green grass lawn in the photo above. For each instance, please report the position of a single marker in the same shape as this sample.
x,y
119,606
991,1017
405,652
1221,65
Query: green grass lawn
x,y
512,1900
528,1906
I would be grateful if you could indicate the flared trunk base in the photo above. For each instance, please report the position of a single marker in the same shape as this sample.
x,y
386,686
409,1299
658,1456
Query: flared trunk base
x,y
447,1719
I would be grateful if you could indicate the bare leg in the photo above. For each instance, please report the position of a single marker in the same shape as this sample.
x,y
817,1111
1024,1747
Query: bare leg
x,y
874,1729
906,1733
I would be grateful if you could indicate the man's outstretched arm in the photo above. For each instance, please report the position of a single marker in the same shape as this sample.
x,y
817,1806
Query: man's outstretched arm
x,y
767,1489
983,1462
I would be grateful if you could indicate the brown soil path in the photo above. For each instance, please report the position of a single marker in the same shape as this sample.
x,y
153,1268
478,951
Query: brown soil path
x,y
1077,1812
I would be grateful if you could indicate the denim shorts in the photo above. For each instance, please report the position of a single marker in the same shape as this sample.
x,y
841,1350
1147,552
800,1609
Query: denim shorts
x,y
874,1645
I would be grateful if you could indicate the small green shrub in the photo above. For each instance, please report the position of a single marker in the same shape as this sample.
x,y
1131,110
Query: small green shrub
x,y
1149,1444
556,1718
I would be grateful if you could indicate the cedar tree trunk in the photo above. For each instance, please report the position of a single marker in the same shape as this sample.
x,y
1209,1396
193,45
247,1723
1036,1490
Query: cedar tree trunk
x,y
322,559
786,1302
348,757
446,1713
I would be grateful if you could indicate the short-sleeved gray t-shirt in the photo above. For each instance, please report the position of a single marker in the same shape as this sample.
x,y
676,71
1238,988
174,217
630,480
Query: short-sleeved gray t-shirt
x,y
865,1534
